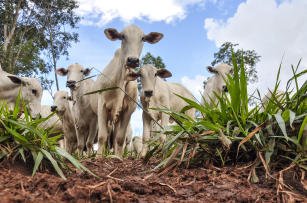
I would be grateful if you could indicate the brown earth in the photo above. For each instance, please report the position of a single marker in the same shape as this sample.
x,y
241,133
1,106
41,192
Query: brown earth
x,y
132,181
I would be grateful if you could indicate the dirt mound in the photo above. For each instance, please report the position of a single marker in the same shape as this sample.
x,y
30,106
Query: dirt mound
x,y
132,181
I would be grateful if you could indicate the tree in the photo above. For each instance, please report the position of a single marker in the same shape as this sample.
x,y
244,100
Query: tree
x,y
34,32
250,57
150,59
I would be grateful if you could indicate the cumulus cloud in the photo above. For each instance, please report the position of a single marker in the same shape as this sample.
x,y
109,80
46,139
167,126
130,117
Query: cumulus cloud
x,y
277,32
195,85
101,12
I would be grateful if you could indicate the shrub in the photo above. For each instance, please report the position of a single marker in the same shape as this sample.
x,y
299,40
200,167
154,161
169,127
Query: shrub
x,y
24,138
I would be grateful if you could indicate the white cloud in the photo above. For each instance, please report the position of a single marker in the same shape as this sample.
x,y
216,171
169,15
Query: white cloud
x,y
275,31
101,12
195,85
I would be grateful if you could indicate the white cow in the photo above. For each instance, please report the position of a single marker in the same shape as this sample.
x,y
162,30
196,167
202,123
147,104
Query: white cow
x,y
85,118
157,93
216,83
64,109
114,106
31,91
137,145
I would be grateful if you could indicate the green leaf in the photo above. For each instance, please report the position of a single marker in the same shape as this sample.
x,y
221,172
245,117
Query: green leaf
x,y
302,128
281,124
75,162
270,151
54,163
21,151
4,138
101,90
38,160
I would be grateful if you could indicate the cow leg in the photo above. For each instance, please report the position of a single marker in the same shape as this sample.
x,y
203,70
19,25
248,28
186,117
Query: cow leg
x,y
70,145
102,126
120,135
146,133
92,135
164,123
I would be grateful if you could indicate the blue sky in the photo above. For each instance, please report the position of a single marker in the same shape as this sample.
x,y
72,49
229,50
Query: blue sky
x,y
193,30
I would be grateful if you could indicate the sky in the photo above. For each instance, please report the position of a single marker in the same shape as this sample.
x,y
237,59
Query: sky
x,y
193,31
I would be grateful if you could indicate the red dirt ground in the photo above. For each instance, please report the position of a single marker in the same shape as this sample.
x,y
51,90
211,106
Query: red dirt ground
x,y
132,181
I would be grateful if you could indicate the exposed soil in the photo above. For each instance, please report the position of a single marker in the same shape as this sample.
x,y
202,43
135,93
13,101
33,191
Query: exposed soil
x,y
132,181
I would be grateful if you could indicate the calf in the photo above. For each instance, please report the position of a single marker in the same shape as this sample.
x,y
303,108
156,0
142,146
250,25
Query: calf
x,y
216,83
137,145
114,106
31,91
85,117
62,105
158,93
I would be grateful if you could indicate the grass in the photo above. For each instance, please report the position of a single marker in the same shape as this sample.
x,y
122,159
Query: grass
x,y
23,138
233,132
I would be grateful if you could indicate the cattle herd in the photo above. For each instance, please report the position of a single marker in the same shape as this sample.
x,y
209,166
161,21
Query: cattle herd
x,y
104,117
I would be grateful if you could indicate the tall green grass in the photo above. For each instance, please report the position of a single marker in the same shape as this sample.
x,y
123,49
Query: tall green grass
x,y
23,138
232,132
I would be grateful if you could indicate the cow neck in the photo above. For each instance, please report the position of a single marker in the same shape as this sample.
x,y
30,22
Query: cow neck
x,y
77,94
67,116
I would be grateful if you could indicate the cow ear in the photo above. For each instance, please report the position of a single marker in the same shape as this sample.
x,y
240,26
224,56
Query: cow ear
x,y
86,72
132,76
212,70
112,34
153,37
61,71
17,80
163,73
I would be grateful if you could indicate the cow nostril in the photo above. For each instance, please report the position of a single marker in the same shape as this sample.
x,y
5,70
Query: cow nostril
x,y
133,62
148,93
70,83
53,108
225,89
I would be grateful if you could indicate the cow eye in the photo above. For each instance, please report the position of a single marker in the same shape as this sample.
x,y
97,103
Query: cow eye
x,y
34,92
81,71
64,97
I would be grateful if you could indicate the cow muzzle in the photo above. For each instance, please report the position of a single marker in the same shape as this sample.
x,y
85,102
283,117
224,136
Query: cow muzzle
x,y
71,83
225,89
53,108
148,93
132,62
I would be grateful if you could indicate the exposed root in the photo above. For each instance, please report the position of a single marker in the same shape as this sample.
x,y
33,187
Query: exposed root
x,y
283,189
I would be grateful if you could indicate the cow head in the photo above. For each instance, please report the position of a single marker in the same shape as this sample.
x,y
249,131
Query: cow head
x,y
61,102
148,75
31,91
220,75
75,73
132,38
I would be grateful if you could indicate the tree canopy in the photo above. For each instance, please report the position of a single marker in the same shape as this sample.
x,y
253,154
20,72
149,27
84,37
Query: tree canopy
x,y
33,32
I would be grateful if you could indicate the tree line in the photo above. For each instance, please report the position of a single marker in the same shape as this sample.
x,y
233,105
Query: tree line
x,y
35,34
